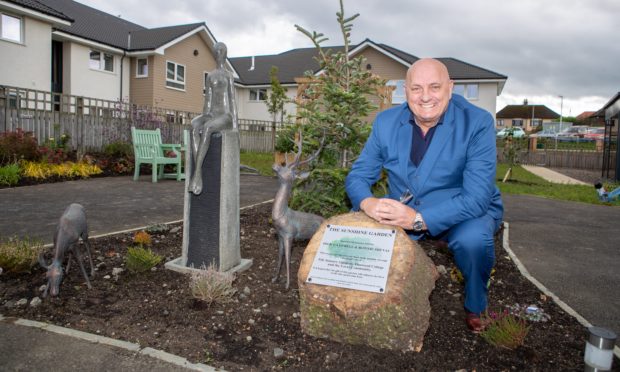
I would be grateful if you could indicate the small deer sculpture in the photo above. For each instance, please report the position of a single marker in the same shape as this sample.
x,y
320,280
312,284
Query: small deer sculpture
x,y
71,227
290,224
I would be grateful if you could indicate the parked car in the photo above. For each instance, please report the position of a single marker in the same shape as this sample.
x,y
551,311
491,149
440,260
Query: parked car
x,y
517,132
595,134
547,134
577,131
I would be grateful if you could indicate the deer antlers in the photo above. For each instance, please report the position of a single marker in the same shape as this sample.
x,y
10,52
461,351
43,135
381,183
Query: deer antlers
x,y
296,161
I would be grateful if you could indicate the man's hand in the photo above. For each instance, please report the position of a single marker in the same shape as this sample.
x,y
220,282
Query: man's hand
x,y
389,212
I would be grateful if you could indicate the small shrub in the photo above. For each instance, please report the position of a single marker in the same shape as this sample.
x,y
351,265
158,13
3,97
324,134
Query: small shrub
x,y
42,170
119,150
158,228
212,286
19,255
142,238
9,174
140,259
18,145
504,330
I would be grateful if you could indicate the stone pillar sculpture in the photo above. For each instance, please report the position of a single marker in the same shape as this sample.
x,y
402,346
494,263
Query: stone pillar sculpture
x,y
211,204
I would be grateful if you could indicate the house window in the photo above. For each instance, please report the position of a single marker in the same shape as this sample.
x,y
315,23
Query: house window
x,y
142,67
517,122
536,122
101,61
175,75
469,91
500,122
258,94
398,94
11,28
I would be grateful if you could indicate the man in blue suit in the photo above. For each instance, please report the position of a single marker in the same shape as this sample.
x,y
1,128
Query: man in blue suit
x,y
439,154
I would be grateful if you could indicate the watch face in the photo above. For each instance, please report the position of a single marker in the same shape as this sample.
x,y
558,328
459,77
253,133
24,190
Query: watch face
x,y
417,226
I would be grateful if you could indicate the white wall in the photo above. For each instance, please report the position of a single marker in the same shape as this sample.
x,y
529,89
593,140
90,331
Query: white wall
x,y
257,110
28,65
84,81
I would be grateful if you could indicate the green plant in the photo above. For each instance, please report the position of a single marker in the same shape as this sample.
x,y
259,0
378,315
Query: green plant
x,y
18,145
19,254
310,194
337,102
504,330
119,150
140,259
157,228
285,139
212,286
9,174
275,101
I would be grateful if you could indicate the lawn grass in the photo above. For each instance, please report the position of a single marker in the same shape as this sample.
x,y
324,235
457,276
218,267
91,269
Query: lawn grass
x,y
521,181
526,183
261,161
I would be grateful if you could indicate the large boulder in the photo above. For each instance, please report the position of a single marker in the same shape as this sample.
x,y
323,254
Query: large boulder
x,y
396,319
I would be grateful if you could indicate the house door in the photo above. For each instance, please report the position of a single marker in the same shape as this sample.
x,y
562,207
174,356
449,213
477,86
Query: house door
x,y
56,73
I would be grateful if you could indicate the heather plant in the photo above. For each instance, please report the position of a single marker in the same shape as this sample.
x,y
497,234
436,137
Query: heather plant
x,y
19,255
157,228
18,145
9,175
504,330
43,170
212,286
141,259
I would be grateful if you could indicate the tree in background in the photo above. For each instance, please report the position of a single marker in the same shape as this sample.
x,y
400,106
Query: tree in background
x,y
275,101
335,104
338,101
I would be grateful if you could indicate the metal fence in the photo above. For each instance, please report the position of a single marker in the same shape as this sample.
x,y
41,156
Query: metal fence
x,y
93,123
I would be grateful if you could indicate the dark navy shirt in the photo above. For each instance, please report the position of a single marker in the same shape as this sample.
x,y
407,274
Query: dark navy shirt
x,y
420,142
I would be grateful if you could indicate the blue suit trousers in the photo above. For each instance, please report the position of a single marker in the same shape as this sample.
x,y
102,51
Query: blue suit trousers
x,y
472,243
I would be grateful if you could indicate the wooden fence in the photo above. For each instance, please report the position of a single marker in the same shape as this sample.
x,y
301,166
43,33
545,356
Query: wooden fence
x,y
93,123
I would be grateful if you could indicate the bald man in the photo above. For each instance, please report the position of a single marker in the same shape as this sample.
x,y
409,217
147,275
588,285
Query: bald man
x,y
439,154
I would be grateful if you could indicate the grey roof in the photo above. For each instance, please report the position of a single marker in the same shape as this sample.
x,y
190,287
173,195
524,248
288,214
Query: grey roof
x,y
294,63
41,8
95,25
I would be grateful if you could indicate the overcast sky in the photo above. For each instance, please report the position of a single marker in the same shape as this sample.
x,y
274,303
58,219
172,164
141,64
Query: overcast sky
x,y
547,48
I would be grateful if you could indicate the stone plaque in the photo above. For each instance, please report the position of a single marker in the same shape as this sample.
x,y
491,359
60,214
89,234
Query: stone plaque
x,y
353,257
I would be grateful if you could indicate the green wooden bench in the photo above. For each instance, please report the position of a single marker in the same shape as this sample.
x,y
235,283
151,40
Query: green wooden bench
x,y
148,149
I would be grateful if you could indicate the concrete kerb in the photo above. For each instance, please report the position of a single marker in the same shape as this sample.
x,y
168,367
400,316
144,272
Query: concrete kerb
x,y
542,288
133,347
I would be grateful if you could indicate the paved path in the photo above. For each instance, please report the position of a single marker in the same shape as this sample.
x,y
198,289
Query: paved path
x,y
552,176
112,203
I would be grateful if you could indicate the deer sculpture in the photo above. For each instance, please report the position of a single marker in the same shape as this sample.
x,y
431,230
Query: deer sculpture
x,y
291,225
71,227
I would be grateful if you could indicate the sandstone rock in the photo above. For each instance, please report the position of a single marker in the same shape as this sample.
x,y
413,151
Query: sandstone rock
x,y
396,319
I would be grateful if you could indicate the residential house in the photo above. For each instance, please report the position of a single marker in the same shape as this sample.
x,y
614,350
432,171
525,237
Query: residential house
x,y
589,118
89,53
525,116
610,113
479,85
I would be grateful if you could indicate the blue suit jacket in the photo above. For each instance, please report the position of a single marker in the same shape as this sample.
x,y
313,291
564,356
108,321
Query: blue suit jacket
x,y
456,179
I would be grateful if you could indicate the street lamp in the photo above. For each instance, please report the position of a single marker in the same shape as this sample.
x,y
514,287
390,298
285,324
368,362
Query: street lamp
x,y
561,107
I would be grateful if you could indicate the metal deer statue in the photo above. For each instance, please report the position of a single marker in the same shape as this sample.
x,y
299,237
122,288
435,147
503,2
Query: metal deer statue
x,y
290,224
71,227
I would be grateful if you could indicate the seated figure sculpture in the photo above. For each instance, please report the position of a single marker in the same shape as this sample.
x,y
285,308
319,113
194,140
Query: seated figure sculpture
x,y
219,113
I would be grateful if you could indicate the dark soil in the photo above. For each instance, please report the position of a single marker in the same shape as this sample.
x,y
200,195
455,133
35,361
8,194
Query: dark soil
x,y
156,309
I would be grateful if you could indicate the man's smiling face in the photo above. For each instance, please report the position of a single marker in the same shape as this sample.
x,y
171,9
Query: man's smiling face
x,y
428,89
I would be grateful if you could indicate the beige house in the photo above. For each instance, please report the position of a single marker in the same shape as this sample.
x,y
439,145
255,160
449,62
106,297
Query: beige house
x,y
479,85
89,53
527,117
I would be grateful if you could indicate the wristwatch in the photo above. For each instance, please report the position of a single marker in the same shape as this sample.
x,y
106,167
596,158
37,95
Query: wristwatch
x,y
418,223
